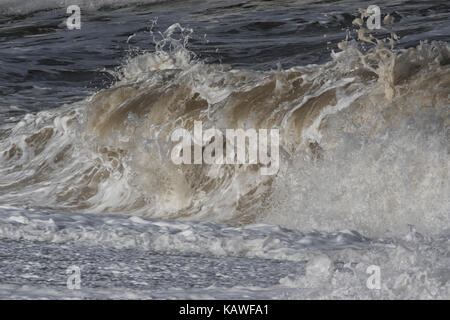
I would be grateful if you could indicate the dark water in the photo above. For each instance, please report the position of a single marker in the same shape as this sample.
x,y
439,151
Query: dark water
x,y
44,65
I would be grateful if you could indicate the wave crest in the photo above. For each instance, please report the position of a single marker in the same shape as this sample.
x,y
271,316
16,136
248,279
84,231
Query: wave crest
x,y
364,142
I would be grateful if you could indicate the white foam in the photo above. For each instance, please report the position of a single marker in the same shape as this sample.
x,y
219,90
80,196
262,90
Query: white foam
x,y
415,267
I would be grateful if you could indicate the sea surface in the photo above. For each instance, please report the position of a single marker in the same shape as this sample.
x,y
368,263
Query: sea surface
x,y
360,205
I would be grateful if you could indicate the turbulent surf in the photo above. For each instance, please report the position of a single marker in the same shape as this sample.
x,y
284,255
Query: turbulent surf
x,y
364,146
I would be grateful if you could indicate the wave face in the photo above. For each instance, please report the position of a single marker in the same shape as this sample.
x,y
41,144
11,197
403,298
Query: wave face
x,y
364,142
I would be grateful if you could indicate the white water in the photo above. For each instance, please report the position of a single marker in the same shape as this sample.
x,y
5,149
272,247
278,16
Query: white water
x,y
91,183
315,265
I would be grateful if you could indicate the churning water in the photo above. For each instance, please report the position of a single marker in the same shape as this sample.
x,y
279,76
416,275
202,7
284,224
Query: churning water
x,y
85,123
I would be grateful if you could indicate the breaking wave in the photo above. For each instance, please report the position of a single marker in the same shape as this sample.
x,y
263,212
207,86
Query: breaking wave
x,y
365,142
24,7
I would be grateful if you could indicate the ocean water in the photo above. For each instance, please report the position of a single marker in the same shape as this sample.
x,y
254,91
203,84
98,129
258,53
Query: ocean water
x,y
86,177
